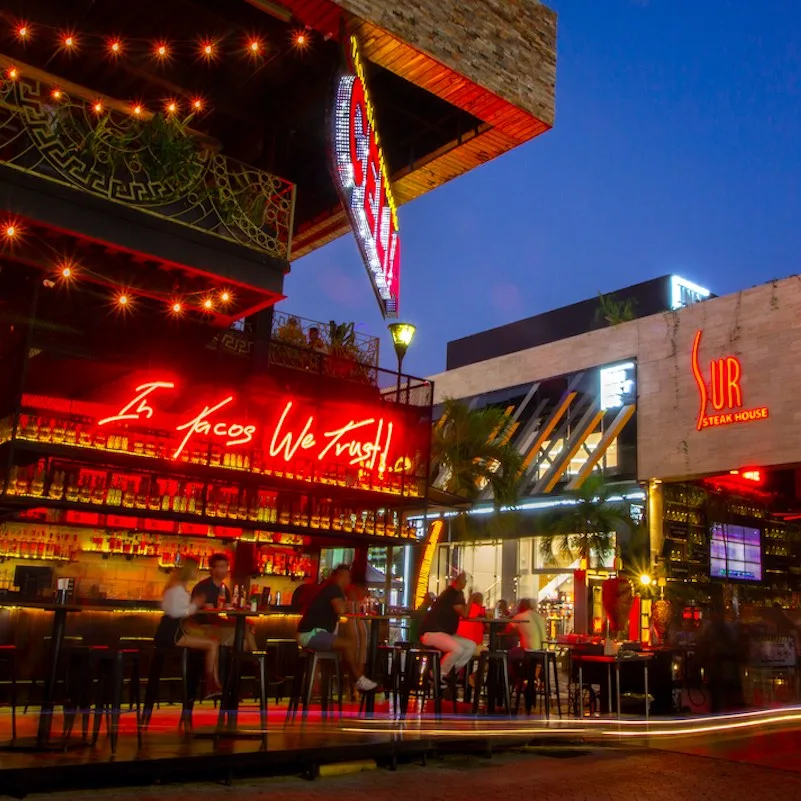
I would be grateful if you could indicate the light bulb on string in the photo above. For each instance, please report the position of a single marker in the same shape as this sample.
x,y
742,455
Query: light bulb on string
x,y
137,110
123,301
197,104
161,51
225,296
23,31
69,41
255,47
12,73
11,230
208,304
300,39
208,50
97,107
176,307
115,47
66,271
171,107
56,93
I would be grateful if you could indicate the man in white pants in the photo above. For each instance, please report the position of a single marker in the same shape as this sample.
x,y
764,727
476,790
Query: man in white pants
x,y
438,629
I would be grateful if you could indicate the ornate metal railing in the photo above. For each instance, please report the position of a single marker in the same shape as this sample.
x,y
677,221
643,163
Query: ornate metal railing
x,y
330,349
153,163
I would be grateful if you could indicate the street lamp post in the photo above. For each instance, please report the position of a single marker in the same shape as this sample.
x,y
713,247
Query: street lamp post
x,y
402,336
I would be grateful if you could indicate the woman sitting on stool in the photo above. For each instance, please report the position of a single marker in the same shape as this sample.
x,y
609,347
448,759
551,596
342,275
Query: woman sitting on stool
x,y
178,607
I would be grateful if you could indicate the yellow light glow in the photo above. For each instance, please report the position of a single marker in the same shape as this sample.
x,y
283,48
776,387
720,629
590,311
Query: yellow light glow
x,y
23,31
197,104
645,580
97,107
225,297
13,73
115,46
56,94
123,300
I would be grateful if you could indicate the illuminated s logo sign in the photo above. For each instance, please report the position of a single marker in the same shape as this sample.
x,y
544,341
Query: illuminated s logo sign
x,y
363,183
722,395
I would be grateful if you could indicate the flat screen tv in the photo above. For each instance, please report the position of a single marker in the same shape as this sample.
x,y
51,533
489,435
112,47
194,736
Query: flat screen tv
x,y
735,553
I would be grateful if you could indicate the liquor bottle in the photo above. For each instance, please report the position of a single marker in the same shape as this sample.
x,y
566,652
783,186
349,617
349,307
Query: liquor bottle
x,y
37,485
84,438
85,489
235,597
99,492
23,482
140,502
71,434
59,431
128,497
221,597
46,431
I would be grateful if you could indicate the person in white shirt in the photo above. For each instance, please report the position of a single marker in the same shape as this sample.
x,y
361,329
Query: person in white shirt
x,y
178,608
529,625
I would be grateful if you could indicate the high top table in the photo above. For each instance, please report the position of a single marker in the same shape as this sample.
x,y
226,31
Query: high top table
x,y
610,661
42,740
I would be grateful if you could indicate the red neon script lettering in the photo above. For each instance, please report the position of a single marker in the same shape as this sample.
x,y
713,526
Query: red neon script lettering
x,y
286,447
362,452
237,434
143,408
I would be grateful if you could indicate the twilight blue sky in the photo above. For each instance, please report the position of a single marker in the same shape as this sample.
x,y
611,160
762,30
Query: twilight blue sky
x,y
676,148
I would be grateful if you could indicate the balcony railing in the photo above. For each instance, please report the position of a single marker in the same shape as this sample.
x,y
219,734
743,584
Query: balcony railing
x,y
342,355
153,163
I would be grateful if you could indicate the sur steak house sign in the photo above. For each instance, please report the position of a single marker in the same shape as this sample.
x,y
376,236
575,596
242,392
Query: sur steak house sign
x,y
363,183
280,429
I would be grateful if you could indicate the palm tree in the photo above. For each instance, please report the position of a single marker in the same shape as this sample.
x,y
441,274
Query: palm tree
x,y
470,450
585,529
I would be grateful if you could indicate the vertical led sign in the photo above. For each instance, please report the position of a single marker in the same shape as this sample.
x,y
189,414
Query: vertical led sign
x,y
363,183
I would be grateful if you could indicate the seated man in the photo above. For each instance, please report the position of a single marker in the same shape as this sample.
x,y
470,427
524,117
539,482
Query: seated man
x,y
439,626
529,627
211,593
317,629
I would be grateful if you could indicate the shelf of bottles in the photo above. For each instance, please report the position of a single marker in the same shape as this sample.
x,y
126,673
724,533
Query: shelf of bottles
x,y
56,483
84,436
39,544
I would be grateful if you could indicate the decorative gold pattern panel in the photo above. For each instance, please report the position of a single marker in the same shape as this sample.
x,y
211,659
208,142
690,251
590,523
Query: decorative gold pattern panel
x,y
153,164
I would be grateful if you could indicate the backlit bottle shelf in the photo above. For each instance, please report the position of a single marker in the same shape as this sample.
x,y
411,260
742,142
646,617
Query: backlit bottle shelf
x,y
75,436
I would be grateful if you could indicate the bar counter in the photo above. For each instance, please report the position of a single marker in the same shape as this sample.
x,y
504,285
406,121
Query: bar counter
x,y
27,627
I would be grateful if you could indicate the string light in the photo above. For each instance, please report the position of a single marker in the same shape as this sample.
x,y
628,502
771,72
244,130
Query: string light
x,y
208,304
67,272
254,46
171,107
207,49
123,300
23,31
10,230
13,73
97,107
137,110
225,297
177,307
301,39
69,41
115,46
56,94
197,104
162,51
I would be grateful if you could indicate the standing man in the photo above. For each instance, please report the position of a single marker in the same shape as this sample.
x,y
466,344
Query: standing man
x,y
439,626
212,593
317,629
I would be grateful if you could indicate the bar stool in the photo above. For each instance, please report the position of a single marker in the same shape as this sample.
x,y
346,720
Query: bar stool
x,y
423,670
388,676
8,657
550,684
79,680
327,662
191,672
235,664
68,642
111,664
489,662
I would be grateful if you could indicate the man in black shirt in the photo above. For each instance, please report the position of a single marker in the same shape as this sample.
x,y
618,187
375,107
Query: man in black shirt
x,y
318,626
211,593
438,629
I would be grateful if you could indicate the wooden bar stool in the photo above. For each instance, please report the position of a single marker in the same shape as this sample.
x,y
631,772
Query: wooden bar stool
x,y
191,671
110,665
327,663
495,664
236,662
8,658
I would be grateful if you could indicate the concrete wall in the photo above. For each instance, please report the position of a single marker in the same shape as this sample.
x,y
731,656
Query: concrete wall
x,y
506,46
761,327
